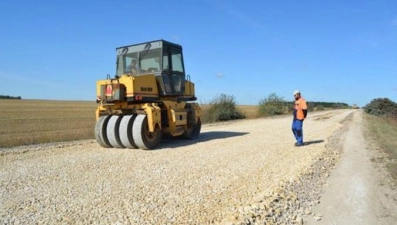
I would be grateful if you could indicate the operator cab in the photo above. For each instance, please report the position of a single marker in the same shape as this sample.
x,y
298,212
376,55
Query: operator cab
x,y
161,58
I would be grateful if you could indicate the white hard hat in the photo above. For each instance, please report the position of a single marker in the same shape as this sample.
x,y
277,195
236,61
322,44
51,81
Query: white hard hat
x,y
296,92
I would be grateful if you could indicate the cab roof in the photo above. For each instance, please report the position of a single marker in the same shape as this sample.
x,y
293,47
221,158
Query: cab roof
x,y
163,42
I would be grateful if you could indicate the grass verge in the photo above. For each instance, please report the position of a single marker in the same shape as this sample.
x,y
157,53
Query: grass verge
x,y
384,132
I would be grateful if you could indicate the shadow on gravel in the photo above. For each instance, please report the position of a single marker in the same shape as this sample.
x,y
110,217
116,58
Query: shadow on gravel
x,y
313,142
211,135
205,136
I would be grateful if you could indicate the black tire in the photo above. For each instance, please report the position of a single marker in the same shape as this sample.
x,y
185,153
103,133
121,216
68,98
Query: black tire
x,y
142,137
100,131
125,131
193,132
112,131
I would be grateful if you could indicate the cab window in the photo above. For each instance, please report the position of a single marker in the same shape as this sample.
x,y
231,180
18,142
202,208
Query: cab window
x,y
176,57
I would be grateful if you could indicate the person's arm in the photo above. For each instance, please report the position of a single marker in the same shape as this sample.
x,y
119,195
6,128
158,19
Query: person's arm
x,y
304,112
304,108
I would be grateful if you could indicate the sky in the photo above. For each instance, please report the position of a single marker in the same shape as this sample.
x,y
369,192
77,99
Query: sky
x,y
333,51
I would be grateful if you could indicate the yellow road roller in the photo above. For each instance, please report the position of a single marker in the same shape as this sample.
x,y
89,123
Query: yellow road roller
x,y
149,97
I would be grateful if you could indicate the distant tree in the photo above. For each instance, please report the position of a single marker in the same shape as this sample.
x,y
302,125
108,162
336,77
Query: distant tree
x,y
382,107
221,108
272,105
9,97
329,105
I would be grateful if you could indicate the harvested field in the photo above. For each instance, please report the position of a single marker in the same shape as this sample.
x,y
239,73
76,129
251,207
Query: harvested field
x,y
25,122
250,111
236,171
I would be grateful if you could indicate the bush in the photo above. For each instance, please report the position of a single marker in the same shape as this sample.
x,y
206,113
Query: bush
x,y
328,105
272,105
221,108
339,105
310,106
382,107
320,107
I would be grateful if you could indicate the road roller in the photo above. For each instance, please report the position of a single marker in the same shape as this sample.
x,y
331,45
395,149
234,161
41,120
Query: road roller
x,y
149,98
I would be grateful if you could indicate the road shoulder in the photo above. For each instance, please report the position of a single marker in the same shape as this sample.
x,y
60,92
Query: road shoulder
x,y
356,191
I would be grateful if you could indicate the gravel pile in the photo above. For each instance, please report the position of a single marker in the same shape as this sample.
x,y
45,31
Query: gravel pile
x,y
244,172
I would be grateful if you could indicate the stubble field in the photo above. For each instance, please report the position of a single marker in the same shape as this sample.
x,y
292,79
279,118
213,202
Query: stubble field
x,y
24,122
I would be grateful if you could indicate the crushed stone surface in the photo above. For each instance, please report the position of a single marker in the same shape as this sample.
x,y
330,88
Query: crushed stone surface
x,y
243,172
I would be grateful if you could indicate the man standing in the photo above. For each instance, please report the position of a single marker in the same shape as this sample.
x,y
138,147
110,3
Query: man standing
x,y
300,113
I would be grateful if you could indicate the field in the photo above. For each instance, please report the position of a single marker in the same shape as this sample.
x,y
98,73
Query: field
x,y
250,111
25,122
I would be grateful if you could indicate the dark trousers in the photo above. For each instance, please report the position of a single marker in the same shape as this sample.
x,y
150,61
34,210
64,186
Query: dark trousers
x,y
297,130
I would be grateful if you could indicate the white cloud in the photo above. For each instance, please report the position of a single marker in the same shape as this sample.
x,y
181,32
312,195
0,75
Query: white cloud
x,y
175,38
220,75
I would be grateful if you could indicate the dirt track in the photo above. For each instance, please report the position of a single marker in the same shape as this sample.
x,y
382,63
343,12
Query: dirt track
x,y
358,190
235,171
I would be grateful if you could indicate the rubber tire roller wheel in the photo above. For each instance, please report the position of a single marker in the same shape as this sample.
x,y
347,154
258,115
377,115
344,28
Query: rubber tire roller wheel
x,y
100,131
112,131
193,132
125,131
142,137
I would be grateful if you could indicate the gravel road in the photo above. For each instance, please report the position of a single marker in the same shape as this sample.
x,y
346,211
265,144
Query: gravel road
x,y
236,173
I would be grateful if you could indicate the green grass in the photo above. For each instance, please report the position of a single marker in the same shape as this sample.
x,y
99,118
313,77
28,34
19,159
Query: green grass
x,y
384,132
24,122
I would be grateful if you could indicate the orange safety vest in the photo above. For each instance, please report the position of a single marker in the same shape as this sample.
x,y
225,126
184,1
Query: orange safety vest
x,y
299,106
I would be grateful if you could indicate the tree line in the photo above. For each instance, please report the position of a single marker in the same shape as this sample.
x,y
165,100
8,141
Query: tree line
x,y
10,97
223,107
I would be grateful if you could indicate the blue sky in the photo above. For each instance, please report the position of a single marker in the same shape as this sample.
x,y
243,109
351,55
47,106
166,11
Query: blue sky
x,y
340,51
